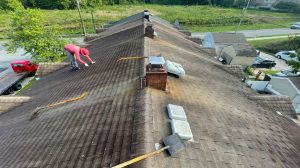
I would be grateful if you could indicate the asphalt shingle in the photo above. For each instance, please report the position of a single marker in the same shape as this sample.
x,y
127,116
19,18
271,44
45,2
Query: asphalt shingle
x,y
118,120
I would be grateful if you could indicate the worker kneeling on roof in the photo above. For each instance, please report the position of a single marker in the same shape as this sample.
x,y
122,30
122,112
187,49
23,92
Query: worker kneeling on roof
x,y
73,52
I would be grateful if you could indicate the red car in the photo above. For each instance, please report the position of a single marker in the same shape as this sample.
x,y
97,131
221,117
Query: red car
x,y
24,66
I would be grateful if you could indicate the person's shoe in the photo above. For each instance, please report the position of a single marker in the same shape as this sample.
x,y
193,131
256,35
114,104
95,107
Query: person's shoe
x,y
86,64
75,68
93,62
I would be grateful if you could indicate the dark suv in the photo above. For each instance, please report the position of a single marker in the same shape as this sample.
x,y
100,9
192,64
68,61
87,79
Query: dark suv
x,y
260,62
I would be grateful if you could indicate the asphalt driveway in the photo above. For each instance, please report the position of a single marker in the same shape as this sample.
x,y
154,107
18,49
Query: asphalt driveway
x,y
280,64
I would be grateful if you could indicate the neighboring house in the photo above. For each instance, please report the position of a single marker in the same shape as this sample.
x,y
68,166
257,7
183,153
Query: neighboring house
x,y
280,86
264,3
286,86
231,47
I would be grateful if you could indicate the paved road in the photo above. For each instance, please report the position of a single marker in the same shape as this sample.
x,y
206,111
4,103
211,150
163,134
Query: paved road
x,y
280,64
261,33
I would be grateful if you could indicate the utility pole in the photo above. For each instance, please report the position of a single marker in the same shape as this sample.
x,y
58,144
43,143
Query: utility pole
x,y
79,11
242,15
93,20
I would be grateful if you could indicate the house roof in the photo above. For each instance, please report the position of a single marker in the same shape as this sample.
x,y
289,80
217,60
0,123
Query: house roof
x,y
245,50
118,121
237,41
229,38
230,129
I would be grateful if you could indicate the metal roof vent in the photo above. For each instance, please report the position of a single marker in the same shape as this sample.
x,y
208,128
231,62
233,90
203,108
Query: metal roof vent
x,y
182,128
176,112
156,74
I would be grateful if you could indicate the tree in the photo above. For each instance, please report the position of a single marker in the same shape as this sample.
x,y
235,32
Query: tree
x,y
10,5
295,64
289,6
28,32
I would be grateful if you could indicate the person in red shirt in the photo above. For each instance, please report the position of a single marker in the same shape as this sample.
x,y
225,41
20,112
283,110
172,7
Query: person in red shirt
x,y
73,52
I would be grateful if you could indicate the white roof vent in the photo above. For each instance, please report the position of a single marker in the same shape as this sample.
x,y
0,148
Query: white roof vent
x,y
176,112
182,128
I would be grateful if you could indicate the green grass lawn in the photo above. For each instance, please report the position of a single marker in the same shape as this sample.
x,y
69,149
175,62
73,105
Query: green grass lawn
x,y
274,45
270,71
259,43
193,18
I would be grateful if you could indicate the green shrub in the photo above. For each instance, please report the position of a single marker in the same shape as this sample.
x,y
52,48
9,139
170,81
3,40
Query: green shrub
x,y
10,4
292,43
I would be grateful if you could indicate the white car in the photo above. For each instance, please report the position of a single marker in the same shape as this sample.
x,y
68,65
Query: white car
x,y
175,69
295,25
286,55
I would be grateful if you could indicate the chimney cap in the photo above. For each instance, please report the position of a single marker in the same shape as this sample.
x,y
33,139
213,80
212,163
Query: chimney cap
x,y
156,60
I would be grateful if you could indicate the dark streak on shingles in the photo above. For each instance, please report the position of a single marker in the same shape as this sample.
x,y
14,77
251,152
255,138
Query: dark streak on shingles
x,y
79,134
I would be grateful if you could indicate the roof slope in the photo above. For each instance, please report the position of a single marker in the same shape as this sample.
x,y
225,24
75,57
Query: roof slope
x,y
245,50
94,132
238,41
231,38
282,104
230,130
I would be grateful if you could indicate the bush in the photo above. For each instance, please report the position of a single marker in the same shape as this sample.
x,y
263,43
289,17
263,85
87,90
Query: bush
x,y
10,4
41,41
292,44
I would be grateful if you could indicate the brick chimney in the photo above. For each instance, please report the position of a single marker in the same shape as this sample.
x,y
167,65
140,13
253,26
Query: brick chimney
x,y
149,31
156,74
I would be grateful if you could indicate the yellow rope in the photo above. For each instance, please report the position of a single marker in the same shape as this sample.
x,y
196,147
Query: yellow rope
x,y
83,95
142,157
130,58
36,111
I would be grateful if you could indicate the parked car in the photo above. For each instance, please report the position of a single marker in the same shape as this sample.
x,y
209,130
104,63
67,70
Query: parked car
x,y
287,73
295,25
20,66
286,55
260,62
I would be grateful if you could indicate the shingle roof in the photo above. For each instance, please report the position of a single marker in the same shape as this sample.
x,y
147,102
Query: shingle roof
x,y
237,40
118,121
245,50
97,131
230,130
229,38
281,104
